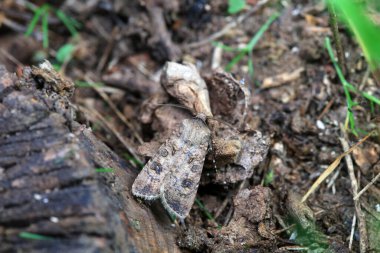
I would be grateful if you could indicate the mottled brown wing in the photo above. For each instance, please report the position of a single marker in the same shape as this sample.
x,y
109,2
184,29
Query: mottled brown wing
x,y
189,150
148,182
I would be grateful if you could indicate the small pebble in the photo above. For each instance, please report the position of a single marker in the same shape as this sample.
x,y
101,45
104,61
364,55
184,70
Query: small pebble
x,y
296,12
54,219
37,196
295,50
321,125
45,200
377,207
71,136
279,147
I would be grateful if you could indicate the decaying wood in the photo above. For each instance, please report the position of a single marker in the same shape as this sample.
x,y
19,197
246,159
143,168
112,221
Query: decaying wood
x,y
49,185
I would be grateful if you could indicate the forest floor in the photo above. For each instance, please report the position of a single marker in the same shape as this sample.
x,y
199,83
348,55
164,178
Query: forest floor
x,y
296,100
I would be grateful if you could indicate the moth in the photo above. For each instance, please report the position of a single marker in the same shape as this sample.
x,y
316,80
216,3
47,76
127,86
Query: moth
x,y
174,172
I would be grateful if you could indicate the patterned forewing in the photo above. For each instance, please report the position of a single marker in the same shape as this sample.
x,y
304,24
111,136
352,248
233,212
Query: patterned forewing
x,y
180,186
148,182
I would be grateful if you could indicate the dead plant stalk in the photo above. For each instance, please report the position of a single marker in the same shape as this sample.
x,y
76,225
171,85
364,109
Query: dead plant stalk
x,y
363,241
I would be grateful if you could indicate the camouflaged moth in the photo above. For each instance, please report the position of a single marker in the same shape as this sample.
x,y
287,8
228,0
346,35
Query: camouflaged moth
x,y
174,172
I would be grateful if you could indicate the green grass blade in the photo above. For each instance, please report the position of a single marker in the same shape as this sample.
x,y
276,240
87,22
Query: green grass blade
x,y
45,29
269,177
74,22
355,15
204,210
252,43
33,23
65,53
346,87
371,98
133,160
102,170
67,22
235,60
235,6
84,84
33,236
251,70
339,72
225,47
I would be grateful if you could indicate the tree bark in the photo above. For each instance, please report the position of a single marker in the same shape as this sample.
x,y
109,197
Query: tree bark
x,y
51,197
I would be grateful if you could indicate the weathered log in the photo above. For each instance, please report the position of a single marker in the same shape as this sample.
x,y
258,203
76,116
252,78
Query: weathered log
x,y
51,197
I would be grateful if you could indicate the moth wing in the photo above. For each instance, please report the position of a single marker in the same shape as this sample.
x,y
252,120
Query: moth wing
x,y
148,182
179,188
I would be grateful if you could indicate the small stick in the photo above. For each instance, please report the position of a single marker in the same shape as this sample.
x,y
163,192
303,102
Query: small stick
x,y
127,145
367,186
334,177
12,25
294,248
284,229
226,28
107,51
216,58
332,167
338,43
326,109
222,206
228,216
354,185
352,231
242,185
104,96
365,79
11,58
371,210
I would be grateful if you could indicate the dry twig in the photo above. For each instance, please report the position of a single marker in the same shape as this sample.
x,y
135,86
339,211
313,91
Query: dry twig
x,y
367,186
354,185
105,97
326,109
352,232
95,114
332,167
226,28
